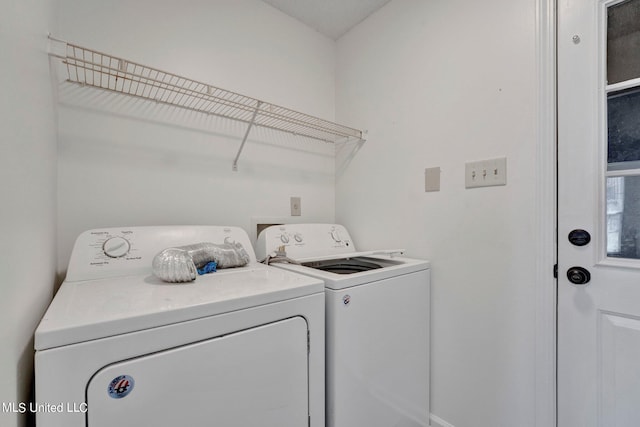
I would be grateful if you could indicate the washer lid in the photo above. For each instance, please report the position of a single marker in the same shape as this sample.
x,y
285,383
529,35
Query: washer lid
x,y
386,266
88,310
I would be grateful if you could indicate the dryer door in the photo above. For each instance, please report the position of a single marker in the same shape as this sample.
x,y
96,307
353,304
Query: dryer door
x,y
256,377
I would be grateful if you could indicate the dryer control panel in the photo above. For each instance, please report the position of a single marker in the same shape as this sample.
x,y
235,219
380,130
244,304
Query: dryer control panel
x,y
305,240
114,252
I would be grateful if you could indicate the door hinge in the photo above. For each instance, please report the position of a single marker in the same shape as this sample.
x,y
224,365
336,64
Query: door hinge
x,y
555,271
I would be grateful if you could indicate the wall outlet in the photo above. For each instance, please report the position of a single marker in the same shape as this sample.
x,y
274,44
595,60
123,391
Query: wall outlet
x,y
296,206
486,173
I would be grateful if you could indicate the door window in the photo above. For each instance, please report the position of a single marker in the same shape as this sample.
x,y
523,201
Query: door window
x,y
623,130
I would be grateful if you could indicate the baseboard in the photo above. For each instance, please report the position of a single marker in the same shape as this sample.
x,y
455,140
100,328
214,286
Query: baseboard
x,y
439,422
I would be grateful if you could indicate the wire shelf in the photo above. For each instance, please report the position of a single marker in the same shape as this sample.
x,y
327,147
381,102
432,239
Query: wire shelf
x,y
89,67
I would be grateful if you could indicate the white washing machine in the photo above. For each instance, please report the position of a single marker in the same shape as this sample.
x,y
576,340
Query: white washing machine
x,y
377,324
240,347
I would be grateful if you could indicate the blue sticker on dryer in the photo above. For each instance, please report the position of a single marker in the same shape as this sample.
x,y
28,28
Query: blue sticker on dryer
x,y
120,386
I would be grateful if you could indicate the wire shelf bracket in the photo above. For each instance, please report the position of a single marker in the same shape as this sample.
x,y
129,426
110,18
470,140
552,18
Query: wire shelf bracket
x,y
246,134
88,67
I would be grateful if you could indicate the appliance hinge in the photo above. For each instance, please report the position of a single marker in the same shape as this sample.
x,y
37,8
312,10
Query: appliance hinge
x,y
555,271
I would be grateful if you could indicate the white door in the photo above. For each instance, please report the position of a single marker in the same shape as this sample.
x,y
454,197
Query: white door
x,y
599,192
253,378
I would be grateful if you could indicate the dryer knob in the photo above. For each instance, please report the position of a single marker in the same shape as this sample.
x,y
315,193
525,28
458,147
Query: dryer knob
x,y
116,247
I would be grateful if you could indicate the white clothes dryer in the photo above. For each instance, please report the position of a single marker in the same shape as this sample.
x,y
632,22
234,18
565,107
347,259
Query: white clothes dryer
x,y
377,324
240,347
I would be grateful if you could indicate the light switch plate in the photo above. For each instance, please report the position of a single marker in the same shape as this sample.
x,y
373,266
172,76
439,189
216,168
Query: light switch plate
x,y
486,173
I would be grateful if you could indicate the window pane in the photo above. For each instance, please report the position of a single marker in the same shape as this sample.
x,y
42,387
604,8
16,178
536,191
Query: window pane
x,y
623,217
623,41
623,121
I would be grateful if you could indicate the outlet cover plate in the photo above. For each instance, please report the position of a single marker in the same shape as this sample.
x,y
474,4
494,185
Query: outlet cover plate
x,y
296,206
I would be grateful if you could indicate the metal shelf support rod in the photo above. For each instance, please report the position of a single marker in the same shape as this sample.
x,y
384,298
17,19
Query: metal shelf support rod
x,y
246,134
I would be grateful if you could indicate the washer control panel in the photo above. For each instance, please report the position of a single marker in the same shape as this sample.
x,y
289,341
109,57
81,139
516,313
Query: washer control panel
x,y
304,240
113,252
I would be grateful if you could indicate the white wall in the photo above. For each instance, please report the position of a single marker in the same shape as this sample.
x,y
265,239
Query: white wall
x,y
27,192
126,162
435,83
438,84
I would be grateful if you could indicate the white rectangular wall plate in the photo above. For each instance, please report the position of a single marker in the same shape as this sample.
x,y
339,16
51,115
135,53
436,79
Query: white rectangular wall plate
x,y
296,207
432,179
486,173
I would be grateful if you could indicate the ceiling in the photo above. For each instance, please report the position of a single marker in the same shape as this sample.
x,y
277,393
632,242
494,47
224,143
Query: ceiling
x,y
332,18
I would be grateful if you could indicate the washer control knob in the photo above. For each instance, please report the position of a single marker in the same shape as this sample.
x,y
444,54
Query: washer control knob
x,y
298,237
284,238
336,236
116,247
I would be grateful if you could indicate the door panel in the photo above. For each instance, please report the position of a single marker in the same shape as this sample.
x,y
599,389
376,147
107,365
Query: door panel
x,y
599,191
620,370
257,377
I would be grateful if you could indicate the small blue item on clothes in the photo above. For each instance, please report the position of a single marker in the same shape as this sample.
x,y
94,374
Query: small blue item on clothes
x,y
209,267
